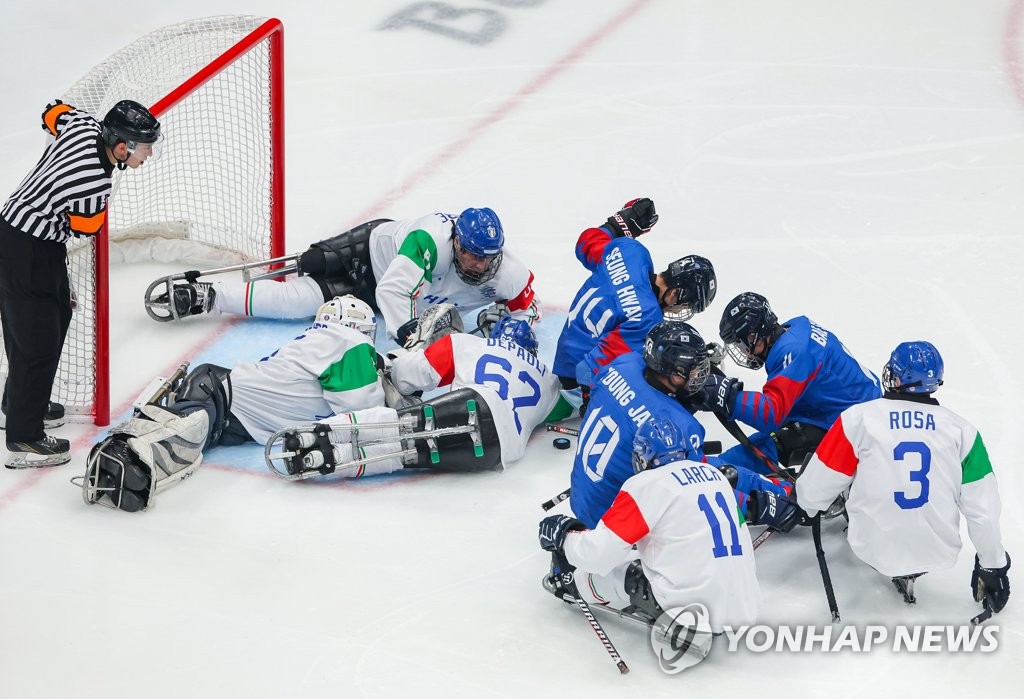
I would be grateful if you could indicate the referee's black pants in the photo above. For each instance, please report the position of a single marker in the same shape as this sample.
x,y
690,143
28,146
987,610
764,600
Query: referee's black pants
x,y
35,309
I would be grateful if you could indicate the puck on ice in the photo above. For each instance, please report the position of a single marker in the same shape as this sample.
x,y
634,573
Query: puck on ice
x,y
561,443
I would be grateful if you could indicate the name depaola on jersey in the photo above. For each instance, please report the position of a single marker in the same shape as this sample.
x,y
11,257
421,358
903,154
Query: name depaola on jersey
x,y
620,389
520,353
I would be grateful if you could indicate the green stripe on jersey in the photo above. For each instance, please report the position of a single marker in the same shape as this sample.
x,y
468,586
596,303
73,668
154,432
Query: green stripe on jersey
x,y
562,410
419,247
356,368
976,464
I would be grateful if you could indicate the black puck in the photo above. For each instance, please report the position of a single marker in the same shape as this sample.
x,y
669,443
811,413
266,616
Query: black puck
x,y
561,443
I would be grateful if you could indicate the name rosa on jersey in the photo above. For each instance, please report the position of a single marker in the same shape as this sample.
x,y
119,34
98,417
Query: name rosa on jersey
x,y
616,267
911,420
620,389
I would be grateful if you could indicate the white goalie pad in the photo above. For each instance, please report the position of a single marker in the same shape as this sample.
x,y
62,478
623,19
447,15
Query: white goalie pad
x,y
146,454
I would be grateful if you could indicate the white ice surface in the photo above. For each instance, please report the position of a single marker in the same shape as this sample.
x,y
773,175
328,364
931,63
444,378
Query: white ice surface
x,y
856,162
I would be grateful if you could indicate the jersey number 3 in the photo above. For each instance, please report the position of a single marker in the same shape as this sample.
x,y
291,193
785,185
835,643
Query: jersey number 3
x,y
919,475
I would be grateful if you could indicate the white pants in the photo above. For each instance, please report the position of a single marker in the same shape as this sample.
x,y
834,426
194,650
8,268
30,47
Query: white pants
x,y
607,590
296,297
341,437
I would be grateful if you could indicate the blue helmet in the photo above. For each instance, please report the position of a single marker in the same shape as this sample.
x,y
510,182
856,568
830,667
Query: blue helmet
x,y
913,367
516,330
479,232
657,442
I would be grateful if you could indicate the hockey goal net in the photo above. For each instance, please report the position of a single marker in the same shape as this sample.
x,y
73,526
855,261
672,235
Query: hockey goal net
x,y
214,196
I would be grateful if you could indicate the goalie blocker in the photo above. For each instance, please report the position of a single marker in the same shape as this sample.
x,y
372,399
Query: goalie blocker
x,y
454,432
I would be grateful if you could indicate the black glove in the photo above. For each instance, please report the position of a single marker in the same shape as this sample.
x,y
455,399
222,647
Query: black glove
x,y
637,218
718,394
407,330
991,586
553,529
777,512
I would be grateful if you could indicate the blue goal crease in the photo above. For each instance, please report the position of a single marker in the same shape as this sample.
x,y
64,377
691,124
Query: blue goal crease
x,y
255,338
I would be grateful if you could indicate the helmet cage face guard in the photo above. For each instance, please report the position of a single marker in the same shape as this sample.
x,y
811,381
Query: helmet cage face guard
x,y
470,276
743,355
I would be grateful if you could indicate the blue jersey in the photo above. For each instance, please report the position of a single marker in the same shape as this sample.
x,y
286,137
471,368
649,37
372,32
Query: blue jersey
x,y
812,378
620,402
613,310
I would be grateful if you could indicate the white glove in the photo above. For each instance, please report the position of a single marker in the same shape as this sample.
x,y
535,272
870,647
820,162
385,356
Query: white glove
x,y
489,317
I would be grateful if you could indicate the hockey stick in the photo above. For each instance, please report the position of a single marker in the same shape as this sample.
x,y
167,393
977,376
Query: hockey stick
x,y
572,432
985,615
741,437
564,495
826,579
569,582
763,537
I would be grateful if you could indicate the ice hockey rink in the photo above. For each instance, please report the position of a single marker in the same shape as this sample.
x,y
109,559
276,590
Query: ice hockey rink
x,y
859,163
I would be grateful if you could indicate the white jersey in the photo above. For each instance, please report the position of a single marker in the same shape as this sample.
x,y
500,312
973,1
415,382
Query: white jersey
x,y
912,466
520,391
691,540
413,263
328,369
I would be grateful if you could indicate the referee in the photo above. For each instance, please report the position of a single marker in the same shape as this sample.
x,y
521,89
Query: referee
x,y
64,195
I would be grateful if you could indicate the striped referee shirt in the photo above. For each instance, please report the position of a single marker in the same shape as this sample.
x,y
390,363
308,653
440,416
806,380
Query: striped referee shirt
x,y
66,193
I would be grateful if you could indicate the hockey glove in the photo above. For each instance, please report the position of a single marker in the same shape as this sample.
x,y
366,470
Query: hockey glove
x,y
553,530
718,394
406,331
991,586
489,317
635,219
777,512
716,354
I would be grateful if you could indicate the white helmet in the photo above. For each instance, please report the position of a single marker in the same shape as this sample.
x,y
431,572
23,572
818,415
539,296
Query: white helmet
x,y
349,311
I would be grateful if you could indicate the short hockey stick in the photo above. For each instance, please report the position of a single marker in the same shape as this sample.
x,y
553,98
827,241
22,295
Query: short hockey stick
x,y
826,579
985,615
571,431
569,582
564,495
741,437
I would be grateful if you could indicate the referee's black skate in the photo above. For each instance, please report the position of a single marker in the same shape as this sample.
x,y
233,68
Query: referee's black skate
x,y
48,451
53,417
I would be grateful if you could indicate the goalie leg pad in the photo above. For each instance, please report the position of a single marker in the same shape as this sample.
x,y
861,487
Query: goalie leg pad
x,y
341,265
209,385
115,477
458,453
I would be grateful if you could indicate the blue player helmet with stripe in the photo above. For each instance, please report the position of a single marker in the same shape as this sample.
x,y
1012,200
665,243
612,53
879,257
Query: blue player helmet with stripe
x,y
746,321
657,442
478,241
516,330
913,367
